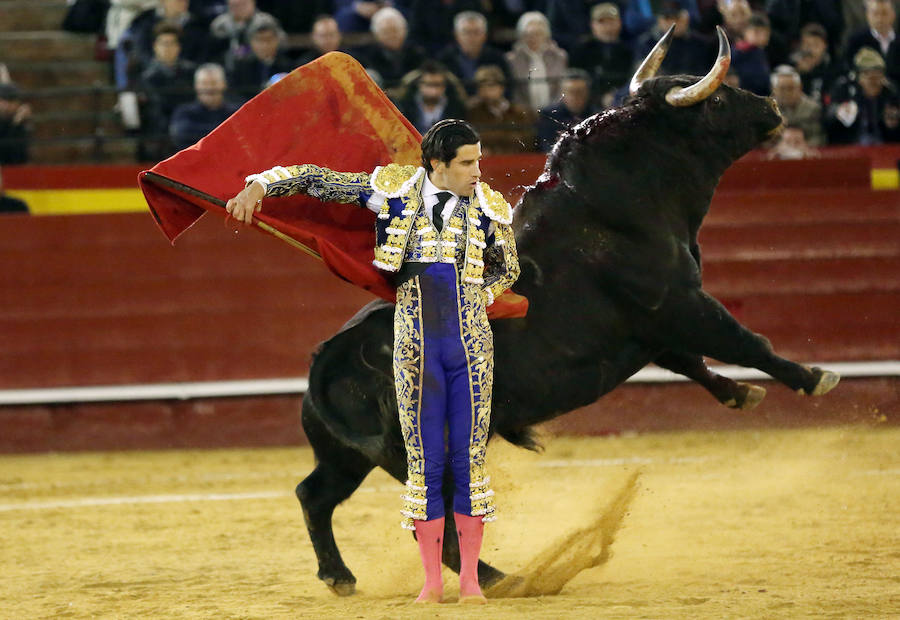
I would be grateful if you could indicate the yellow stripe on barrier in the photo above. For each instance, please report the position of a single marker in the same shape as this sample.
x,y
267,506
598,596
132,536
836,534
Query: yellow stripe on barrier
x,y
78,201
885,178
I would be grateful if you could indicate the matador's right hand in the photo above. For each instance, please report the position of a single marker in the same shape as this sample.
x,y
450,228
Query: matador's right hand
x,y
246,203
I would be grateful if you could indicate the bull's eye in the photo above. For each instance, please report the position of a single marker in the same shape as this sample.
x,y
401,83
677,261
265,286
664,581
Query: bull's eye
x,y
717,100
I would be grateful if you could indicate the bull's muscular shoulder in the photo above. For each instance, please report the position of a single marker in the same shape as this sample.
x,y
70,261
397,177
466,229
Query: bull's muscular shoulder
x,y
493,204
395,180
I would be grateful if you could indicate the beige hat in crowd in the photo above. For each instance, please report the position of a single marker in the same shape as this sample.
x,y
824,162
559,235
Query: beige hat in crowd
x,y
604,10
867,59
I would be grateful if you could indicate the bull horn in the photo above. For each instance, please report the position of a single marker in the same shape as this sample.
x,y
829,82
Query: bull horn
x,y
651,63
681,96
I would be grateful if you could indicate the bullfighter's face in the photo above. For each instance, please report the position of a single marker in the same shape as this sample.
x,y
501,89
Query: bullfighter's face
x,y
462,173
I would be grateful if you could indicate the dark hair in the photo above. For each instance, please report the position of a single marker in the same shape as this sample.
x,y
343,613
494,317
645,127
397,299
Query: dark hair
x,y
443,140
432,67
166,28
813,29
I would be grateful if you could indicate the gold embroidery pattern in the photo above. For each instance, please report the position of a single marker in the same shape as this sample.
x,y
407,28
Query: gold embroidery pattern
x,y
478,342
390,180
389,256
498,278
408,385
493,204
475,244
321,183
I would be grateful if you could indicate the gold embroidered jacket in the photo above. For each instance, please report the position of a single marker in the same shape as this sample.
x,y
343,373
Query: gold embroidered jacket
x,y
477,237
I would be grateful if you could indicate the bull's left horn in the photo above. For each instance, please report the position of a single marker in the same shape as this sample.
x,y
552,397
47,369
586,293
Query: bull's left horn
x,y
652,62
681,96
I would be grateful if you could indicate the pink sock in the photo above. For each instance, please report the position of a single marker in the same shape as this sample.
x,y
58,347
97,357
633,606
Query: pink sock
x,y
430,535
470,531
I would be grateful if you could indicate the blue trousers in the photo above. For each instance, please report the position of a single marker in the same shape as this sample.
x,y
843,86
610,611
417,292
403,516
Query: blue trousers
x,y
443,369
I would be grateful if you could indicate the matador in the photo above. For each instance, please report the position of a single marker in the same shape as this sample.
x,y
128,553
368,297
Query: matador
x,y
446,237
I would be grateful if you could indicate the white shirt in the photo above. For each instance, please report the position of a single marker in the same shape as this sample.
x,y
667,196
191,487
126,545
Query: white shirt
x,y
429,196
883,41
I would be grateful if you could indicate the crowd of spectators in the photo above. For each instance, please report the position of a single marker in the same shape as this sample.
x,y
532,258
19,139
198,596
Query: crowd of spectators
x,y
520,70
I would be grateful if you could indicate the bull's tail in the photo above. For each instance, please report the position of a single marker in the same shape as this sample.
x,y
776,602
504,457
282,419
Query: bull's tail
x,y
525,437
334,361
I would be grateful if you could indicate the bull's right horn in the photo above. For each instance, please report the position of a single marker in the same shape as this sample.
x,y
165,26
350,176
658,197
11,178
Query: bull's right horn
x,y
652,62
695,93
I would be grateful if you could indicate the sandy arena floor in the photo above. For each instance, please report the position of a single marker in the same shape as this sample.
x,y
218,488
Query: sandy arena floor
x,y
774,524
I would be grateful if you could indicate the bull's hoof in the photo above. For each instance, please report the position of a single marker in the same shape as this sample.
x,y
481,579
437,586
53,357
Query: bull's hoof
x,y
749,396
825,383
342,586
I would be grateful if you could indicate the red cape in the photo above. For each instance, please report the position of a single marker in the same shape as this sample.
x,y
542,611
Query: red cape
x,y
328,112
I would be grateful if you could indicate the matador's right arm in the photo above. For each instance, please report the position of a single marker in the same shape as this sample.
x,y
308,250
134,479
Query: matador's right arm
x,y
316,181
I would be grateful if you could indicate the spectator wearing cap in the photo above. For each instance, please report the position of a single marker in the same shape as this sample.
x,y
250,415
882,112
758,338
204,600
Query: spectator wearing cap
x,y
574,106
431,94
392,55
8,204
798,109
504,126
749,57
813,62
690,53
15,133
865,105
326,37
194,120
229,38
641,15
165,84
879,35
536,62
471,50
604,56
250,74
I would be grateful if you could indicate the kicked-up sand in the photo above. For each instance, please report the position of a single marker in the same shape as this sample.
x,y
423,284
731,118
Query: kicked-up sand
x,y
751,524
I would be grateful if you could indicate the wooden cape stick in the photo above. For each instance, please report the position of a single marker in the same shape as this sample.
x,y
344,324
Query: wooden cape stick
x,y
158,179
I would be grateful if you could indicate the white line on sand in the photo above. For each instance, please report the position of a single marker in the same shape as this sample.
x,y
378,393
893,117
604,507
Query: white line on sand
x,y
616,462
142,499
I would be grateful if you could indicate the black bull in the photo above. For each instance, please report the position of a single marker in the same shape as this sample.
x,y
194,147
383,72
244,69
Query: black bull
x,y
607,239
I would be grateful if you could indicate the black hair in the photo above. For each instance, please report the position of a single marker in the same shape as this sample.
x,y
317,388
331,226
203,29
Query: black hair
x,y
165,27
443,140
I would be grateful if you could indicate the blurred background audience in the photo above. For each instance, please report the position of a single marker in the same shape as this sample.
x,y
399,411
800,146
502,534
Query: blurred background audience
x,y
517,68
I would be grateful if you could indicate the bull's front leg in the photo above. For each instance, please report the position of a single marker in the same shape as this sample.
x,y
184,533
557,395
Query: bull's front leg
x,y
731,393
692,321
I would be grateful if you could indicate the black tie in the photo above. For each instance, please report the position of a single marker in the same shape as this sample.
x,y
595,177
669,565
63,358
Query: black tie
x,y
442,197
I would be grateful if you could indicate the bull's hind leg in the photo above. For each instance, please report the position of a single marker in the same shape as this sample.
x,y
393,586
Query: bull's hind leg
x,y
694,322
731,393
326,487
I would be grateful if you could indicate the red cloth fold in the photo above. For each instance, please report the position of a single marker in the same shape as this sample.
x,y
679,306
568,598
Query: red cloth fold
x,y
328,112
